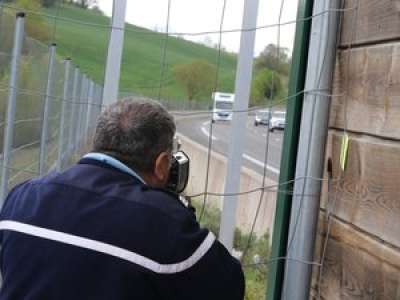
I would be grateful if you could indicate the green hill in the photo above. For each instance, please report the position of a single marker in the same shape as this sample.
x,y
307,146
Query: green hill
x,y
87,46
83,35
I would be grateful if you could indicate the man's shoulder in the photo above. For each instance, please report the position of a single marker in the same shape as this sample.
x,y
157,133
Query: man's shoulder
x,y
163,201
130,193
23,187
17,194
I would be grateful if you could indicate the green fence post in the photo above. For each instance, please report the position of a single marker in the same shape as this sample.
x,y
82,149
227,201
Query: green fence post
x,y
290,143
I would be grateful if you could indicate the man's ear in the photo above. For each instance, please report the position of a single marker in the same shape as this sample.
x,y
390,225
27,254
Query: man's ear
x,y
161,168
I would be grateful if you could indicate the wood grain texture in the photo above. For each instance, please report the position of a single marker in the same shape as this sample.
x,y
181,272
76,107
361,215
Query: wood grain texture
x,y
369,194
367,81
356,266
363,253
378,20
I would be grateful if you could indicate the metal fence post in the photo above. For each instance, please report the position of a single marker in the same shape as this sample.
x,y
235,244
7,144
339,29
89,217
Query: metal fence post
x,y
61,135
289,150
1,17
80,113
311,152
12,102
95,103
101,101
115,48
90,110
99,104
46,110
74,111
238,128
97,107
85,108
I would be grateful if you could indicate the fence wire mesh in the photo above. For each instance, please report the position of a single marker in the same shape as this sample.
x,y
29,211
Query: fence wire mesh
x,y
205,141
34,85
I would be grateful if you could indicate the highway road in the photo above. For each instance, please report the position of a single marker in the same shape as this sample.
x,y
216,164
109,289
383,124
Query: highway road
x,y
198,130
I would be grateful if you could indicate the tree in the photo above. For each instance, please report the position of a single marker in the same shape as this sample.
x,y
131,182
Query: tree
x,y
269,59
196,78
82,3
86,3
96,9
266,85
49,3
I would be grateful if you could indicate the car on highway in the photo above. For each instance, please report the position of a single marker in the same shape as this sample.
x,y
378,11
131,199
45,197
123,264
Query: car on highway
x,y
278,121
223,106
262,117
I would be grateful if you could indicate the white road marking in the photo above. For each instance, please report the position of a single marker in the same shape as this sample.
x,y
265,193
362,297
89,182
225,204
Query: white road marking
x,y
206,132
261,164
245,156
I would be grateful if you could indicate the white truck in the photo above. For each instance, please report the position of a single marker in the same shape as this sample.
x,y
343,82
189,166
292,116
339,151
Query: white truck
x,y
223,106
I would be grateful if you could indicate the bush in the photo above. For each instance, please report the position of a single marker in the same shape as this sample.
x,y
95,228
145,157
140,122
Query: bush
x,y
211,217
36,26
29,103
196,78
97,10
256,275
7,28
266,85
49,3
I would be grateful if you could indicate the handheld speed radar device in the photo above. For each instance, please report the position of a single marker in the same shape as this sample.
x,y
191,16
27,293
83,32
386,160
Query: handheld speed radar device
x,y
179,173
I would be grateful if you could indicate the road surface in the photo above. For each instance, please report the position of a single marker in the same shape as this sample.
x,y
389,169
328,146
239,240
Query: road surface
x,y
198,130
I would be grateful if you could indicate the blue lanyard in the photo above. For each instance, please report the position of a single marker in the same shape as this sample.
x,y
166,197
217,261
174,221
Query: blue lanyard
x,y
114,163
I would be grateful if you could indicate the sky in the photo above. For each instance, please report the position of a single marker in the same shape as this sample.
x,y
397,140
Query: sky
x,y
205,15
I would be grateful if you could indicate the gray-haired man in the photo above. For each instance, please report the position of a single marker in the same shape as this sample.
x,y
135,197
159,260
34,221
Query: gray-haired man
x,y
107,228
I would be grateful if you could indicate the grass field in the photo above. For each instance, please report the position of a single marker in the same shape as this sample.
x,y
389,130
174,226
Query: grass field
x,y
87,46
256,276
83,35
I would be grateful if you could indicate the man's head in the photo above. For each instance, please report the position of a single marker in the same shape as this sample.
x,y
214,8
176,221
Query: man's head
x,y
139,134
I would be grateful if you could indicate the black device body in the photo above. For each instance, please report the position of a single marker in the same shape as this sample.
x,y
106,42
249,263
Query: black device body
x,y
179,173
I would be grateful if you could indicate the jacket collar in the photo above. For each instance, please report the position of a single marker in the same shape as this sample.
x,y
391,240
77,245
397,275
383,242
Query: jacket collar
x,y
111,161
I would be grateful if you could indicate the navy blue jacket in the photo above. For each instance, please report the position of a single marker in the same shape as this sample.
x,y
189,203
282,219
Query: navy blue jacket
x,y
95,232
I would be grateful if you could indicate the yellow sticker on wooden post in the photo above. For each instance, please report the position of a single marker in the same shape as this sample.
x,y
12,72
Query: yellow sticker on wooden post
x,y
344,151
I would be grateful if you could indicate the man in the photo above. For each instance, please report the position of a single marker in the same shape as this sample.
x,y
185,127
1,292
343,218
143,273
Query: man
x,y
107,229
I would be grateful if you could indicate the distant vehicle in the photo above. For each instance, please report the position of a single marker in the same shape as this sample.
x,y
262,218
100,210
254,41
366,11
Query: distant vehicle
x,y
262,117
278,121
223,106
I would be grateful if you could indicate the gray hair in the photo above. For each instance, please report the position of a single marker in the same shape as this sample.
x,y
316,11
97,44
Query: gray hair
x,y
135,132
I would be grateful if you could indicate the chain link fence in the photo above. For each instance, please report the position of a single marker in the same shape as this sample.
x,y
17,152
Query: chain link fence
x,y
48,107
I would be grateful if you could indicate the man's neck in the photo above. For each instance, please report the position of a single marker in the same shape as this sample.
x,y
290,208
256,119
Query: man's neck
x,y
112,161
